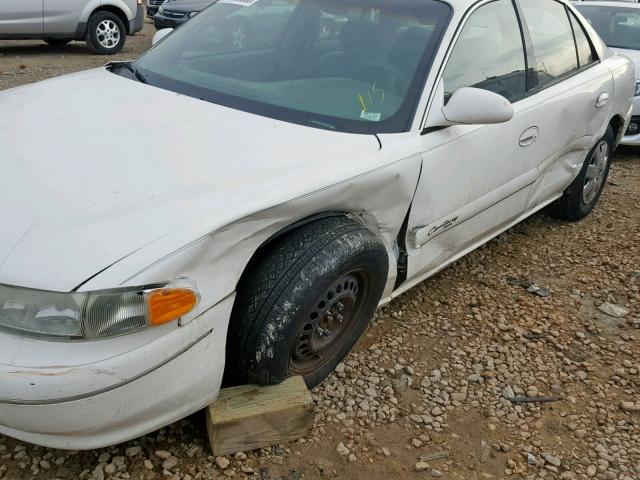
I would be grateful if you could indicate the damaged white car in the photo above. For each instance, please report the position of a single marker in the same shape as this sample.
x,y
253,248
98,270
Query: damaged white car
x,y
246,194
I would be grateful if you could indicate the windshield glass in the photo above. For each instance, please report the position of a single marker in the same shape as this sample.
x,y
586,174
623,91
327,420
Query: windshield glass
x,y
619,27
348,65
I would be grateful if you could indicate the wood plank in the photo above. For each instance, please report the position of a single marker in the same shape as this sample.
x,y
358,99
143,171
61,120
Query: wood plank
x,y
248,417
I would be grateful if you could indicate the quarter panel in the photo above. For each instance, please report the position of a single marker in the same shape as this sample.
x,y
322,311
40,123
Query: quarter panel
x,y
63,16
20,17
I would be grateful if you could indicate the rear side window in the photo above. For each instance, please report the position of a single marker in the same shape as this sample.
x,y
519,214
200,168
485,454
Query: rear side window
x,y
489,53
583,44
551,38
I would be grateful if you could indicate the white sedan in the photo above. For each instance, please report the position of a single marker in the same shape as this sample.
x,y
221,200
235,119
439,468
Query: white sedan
x,y
618,24
238,201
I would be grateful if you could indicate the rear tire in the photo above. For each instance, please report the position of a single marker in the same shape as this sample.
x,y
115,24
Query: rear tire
x,y
303,304
106,34
580,198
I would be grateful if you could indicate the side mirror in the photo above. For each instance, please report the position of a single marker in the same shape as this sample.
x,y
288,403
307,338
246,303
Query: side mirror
x,y
469,106
160,34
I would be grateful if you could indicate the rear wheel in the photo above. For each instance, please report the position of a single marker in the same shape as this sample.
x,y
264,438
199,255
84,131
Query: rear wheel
x,y
304,303
106,34
580,198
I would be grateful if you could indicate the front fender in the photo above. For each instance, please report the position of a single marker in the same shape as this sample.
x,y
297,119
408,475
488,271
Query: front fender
x,y
379,199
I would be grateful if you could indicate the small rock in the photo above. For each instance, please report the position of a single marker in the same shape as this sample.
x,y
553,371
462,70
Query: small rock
x,y
421,466
162,454
613,310
222,462
133,451
170,463
435,473
342,450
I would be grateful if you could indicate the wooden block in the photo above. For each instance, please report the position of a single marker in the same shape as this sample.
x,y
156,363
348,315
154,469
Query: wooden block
x,y
248,417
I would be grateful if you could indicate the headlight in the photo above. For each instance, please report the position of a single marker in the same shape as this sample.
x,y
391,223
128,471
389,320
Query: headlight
x,y
98,314
637,92
192,14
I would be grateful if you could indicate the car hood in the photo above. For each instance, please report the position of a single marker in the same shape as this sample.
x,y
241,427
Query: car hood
x,y
96,166
187,5
633,55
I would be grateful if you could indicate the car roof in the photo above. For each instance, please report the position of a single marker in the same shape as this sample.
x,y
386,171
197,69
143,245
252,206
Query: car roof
x,y
608,3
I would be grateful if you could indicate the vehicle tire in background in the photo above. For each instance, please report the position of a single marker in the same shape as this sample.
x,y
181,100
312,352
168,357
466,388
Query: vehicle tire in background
x,y
57,42
304,302
106,34
581,196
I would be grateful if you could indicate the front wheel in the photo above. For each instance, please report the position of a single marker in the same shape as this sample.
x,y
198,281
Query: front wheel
x,y
106,33
303,304
580,198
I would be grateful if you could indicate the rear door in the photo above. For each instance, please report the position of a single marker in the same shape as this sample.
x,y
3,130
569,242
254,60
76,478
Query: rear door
x,y
62,16
573,91
20,17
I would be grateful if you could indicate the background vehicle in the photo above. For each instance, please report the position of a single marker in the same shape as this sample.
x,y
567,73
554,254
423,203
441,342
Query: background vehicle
x,y
618,24
332,161
103,24
173,13
153,6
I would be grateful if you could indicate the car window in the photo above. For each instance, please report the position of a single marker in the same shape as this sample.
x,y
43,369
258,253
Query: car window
x,y
489,53
585,50
349,65
551,38
619,27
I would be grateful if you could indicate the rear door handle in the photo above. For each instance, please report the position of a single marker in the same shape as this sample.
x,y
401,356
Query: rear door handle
x,y
529,136
602,100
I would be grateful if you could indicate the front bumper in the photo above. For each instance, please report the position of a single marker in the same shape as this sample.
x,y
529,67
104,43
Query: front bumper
x,y
160,20
71,401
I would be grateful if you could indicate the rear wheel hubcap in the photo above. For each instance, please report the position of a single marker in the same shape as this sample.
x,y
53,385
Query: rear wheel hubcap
x,y
595,172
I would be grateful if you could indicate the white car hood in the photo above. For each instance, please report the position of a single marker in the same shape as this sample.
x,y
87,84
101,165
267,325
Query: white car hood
x,y
96,166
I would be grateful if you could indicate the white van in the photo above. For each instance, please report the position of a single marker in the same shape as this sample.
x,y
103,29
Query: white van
x,y
103,24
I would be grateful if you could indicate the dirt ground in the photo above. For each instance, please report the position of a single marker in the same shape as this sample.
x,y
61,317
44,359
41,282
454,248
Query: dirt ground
x,y
425,394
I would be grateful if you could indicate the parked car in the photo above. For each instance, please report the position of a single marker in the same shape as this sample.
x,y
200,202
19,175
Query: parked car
x,y
153,6
103,24
285,186
173,13
618,24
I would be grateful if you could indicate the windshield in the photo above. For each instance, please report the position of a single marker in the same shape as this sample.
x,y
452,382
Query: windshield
x,y
619,27
348,65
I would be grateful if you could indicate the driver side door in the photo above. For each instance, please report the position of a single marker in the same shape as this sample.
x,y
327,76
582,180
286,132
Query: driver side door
x,y
475,179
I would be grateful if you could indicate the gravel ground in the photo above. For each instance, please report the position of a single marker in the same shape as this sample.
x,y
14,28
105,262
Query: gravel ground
x,y
431,389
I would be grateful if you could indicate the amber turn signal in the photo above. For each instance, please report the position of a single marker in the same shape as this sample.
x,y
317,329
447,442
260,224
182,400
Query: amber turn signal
x,y
167,304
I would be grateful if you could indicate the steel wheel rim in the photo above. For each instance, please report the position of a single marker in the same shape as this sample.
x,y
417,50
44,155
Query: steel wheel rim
x,y
595,172
108,33
328,323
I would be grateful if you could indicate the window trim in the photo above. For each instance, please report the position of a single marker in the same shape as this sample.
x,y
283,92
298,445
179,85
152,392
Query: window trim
x,y
539,88
456,35
573,19
528,51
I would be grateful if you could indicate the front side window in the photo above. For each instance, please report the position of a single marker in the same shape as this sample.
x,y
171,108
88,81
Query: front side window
x,y
349,65
619,27
585,50
489,53
551,38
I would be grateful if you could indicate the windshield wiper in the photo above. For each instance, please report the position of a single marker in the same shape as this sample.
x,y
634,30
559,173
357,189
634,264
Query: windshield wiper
x,y
129,66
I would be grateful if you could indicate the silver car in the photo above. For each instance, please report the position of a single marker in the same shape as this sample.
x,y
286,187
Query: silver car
x,y
103,24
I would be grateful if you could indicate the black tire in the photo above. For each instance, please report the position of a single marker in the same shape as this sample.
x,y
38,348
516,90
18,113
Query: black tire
x,y
323,281
57,42
105,43
575,204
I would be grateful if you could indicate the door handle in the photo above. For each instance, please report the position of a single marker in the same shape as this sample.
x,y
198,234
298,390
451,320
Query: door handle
x,y
602,100
529,136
